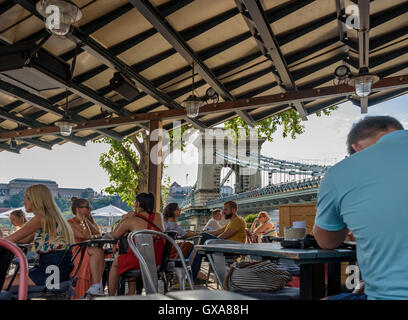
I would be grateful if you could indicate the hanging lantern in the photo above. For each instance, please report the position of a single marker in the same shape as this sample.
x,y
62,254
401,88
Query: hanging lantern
x,y
59,15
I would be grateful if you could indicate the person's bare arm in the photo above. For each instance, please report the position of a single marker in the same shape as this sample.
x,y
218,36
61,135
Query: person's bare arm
x,y
28,239
93,227
329,239
190,234
217,232
26,232
227,234
254,224
262,228
120,230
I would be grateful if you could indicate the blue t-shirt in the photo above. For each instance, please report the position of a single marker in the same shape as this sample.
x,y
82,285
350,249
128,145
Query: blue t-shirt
x,y
368,194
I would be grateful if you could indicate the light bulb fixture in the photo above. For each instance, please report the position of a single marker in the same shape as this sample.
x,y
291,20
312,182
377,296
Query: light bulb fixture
x,y
342,72
363,82
192,105
59,15
193,102
211,93
66,124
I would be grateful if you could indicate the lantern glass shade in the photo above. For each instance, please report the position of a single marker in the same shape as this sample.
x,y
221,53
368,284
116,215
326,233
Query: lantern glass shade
x,y
363,82
65,127
59,15
192,105
363,85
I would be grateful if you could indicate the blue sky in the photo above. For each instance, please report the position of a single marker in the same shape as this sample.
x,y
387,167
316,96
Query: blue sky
x,y
72,166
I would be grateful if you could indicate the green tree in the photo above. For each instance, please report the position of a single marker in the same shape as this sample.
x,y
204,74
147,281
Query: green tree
x,y
250,218
63,204
15,201
289,120
127,163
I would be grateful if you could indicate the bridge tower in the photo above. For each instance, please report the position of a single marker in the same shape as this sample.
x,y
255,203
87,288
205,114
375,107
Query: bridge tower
x,y
210,165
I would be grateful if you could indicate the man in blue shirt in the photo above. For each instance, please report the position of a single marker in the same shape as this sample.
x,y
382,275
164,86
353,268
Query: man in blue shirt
x,y
366,194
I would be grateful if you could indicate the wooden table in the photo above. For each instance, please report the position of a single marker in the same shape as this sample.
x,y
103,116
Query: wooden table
x,y
311,262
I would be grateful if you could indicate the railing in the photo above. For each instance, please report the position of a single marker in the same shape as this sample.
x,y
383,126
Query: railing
x,y
271,189
189,198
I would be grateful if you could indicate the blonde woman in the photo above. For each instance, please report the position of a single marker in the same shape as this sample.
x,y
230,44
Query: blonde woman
x,y
17,219
93,264
262,224
51,236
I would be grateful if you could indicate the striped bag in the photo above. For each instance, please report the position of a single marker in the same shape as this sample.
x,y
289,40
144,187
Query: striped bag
x,y
256,276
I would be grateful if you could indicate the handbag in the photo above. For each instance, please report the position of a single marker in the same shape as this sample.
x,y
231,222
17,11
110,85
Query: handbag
x,y
256,276
185,247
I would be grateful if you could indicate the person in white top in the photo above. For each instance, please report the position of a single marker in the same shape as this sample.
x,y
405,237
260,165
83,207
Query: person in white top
x,y
213,223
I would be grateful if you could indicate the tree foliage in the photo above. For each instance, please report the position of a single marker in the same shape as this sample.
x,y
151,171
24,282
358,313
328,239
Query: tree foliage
x,y
122,164
15,201
127,162
289,120
250,217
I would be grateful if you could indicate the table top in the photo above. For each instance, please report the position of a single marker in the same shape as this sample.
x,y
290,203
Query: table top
x,y
97,241
154,296
185,295
207,295
275,250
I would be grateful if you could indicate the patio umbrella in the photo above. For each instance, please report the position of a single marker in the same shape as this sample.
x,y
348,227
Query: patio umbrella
x,y
109,211
6,215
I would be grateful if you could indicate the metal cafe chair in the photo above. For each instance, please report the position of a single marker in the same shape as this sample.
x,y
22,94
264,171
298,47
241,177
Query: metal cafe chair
x,y
7,251
164,270
141,243
176,267
65,290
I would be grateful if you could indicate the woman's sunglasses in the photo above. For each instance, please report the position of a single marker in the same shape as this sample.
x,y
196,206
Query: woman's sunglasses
x,y
88,207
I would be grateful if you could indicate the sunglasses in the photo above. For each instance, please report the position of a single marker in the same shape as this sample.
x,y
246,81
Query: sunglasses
x,y
89,208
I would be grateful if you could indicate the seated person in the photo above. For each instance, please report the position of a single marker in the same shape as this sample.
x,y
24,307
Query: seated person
x,y
141,218
213,223
171,213
93,263
17,219
262,225
51,234
234,230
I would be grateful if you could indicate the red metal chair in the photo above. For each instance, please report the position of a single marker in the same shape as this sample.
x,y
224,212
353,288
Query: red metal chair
x,y
250,236
23,284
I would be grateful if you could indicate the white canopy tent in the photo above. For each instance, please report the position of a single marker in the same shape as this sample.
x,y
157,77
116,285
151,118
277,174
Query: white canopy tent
x,y
109,211
6,215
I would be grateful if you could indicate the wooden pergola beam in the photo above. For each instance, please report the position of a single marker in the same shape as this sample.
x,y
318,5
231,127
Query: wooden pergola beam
x,y
243,104
271,45
155,161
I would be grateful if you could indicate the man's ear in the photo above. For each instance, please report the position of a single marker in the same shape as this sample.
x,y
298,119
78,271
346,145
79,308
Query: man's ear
x,y
356,147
